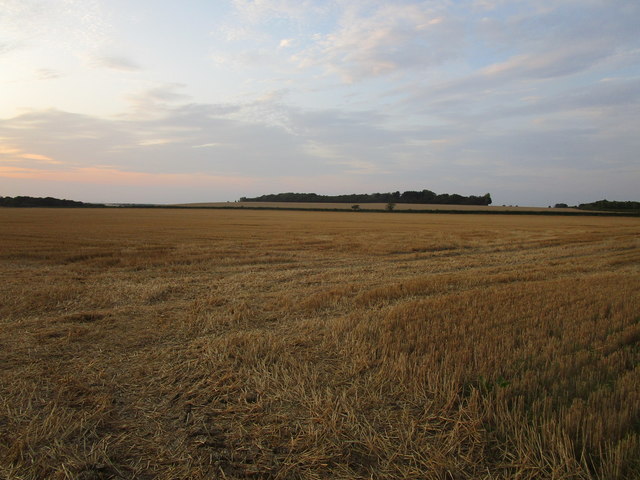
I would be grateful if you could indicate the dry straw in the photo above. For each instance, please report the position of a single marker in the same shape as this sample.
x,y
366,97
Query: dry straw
x,y
262,344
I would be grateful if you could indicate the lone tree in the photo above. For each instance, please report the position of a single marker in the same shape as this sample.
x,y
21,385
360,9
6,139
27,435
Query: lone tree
x,y
355,208
391,206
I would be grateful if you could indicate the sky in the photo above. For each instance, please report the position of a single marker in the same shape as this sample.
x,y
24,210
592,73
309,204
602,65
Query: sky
x,y
151,101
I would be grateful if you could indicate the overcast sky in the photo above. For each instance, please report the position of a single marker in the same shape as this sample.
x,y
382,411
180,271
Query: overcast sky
x,y
534,101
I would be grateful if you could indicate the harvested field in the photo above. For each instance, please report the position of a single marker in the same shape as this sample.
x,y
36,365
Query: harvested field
x,y
382,206
199,344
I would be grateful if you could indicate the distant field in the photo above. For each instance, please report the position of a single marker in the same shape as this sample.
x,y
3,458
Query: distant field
x,y
202,344
376,206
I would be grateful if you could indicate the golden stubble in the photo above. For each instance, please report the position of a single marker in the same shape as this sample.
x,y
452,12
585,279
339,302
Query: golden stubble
x,y
272,344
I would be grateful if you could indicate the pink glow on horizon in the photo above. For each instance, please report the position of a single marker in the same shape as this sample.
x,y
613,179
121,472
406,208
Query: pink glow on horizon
x,y
113,176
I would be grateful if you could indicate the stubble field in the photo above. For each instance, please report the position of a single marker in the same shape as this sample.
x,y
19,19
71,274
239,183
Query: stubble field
x,y
381,206
199,344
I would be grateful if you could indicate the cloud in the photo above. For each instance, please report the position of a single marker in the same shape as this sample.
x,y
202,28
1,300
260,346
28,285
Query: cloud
x,y
356,40
453,96
156,141
113,176
40,158
273,96
227,149
16,155
216,140
615,96
361,167
70,24
536,41
6,150
385,39
253,57
268,138
47,74
119,63
558,62
208,145
154,101
257,11
7,47
535,81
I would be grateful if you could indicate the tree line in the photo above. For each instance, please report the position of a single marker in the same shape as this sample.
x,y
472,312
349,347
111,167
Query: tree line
x,y
606,205
43,202
422,197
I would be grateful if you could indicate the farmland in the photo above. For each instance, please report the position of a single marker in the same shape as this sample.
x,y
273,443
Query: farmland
x,y
416,207
198,344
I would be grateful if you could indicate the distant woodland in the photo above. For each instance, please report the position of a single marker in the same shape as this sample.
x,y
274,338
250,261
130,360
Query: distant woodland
x,y
423,197
611,206
43,202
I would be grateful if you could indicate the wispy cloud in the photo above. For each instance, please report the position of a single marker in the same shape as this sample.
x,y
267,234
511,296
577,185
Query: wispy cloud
x,y
153,101
115,62
257,11
115,176
208,145
40,158
561,61
16,155
6,47
47,74
73,24
383,40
